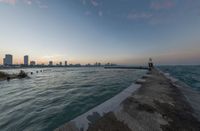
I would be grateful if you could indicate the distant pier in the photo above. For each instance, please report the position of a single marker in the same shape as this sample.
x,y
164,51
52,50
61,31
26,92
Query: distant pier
x,y
126,67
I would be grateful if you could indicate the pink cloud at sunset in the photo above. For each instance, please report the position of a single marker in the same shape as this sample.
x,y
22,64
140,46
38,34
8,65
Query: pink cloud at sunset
x,y
39,3
166,4
94,3
12,2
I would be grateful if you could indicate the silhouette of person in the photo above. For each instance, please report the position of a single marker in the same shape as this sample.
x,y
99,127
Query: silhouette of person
x,y
150,64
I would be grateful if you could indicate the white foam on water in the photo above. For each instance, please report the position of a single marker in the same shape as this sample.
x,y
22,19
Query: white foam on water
x,y
81,122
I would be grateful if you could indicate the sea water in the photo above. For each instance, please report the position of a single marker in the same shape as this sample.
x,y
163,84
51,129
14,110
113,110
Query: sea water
x,y
55,96
190,75
188,82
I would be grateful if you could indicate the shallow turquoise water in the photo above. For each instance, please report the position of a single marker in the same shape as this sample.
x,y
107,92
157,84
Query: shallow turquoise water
x,y
53,97
190,75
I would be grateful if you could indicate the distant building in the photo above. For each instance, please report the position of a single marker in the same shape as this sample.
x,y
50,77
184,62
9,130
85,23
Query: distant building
x,y
108,64
26,60
32,63
99,64
65,63
88,65
50,63
60,63
4,61
8,60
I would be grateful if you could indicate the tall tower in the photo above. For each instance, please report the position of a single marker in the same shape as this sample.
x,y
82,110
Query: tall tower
x,y
26,60
50,63
4,61
8,60
65,63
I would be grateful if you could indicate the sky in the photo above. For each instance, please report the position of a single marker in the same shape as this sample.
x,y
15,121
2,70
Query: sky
x,y
85,31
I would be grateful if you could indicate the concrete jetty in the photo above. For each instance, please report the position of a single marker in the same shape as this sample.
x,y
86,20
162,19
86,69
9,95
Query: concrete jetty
x,y
155,105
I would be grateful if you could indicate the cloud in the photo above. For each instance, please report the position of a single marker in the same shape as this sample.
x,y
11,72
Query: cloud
x,y
12,2
87,13
163,4
83,2
52,57
40,4
27,2
154,18
94,3
139,16
100,13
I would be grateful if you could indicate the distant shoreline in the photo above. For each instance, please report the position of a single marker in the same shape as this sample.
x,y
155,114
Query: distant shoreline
x,y
105,67
46,67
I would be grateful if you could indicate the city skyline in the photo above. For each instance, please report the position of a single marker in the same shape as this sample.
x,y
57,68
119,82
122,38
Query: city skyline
x,y
85,31
8,61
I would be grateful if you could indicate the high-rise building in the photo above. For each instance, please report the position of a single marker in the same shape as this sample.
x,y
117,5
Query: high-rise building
x,y
50,63
60,63
26,60
65,63
8,60
4,61
32,63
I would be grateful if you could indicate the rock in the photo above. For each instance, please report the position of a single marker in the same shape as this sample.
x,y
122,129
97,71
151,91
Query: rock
x,y
22,74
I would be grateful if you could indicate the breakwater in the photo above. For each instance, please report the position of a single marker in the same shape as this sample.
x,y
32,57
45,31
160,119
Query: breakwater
x,y
157,105
126,67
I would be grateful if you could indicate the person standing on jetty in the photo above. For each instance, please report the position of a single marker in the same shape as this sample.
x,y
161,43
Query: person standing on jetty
x,y
150,64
